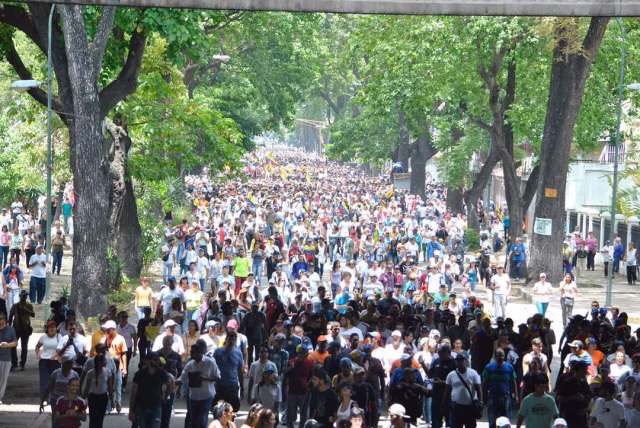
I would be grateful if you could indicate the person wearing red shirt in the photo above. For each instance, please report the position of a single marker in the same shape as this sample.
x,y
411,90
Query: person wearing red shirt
x,y
297,378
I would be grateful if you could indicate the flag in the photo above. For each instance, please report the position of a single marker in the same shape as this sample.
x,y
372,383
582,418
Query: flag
x,y
251,200
283,173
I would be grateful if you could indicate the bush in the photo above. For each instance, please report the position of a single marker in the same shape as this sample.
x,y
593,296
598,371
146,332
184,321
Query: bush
x,y
471,239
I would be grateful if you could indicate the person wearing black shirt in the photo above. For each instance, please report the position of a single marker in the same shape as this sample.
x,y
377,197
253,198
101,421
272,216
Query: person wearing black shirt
x,y
150,385
323,399
574,395
440,368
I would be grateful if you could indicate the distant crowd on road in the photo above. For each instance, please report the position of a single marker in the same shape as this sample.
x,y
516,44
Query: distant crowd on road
x,y
321,296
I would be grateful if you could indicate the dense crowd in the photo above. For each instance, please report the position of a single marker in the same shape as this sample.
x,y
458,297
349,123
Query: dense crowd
x,y
321,296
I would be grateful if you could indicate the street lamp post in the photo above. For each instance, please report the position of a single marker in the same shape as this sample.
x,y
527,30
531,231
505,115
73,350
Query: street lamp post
x,y
25,85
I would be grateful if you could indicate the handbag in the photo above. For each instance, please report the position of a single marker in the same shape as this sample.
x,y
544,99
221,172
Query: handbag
x,y
475,403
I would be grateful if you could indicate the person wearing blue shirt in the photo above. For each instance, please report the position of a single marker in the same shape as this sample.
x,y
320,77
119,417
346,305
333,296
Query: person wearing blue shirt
x,y
432,246
299,266
341,301
517,258
499,382
230,363
618,252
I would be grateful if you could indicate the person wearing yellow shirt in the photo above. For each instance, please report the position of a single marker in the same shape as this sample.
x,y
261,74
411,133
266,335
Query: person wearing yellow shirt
x,y
241,268
143,297
193,300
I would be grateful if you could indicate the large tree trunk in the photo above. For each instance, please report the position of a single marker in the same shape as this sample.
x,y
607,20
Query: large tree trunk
x,y
126,232
454,200
472,195
89,161
423,150
569,72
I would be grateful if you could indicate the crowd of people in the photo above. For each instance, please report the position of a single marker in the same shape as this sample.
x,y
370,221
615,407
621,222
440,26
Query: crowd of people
x,y
322,297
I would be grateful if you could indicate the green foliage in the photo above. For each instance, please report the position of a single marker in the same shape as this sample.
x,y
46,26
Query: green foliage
x,y
115,277
471,239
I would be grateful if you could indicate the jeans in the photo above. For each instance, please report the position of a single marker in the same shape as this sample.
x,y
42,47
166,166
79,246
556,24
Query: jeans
x,y
167,408
149,417
167,267
462,416
37,289
140,312
516,268
256,268
499,305
566,304
4,255
45,368
230,394
631,275
426,409
5,369
591,257
542,307
199,412
295,402
496,407
97,409
57,262
616,264
437,412
23,337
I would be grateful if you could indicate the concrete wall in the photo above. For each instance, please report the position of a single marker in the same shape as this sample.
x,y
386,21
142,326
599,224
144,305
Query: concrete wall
x,y
404,7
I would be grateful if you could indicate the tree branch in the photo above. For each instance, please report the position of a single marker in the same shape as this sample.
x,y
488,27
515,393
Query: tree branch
x,y
38,94
593,38
19,18
99,43
127,81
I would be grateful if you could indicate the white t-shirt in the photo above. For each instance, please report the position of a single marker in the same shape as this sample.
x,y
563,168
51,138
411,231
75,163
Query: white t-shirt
x,y
542,292
79,341
207,368
348,332
501,284
608,413
569,290
459,393
37,270
49,346
202,265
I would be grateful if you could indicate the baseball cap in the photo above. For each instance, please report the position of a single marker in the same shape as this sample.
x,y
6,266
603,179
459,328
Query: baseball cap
x,y
108,325
232,324
396,333
398,410
560,422
576,344
169,323
212,323
503,422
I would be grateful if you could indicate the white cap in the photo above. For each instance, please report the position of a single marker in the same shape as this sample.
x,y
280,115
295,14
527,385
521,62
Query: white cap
x,y
109,324
396,333
398,410
169,323
560,422
503,422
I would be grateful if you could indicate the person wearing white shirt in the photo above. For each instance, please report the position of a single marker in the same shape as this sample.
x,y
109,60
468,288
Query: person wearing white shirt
x,y
199,376
607,411
178,343
463,386
168,293
168,254
202,266
501,286
37,282
72,345
314,279
542,292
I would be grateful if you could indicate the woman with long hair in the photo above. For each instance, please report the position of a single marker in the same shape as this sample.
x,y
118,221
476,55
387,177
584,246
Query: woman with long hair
x,y
190,338
345,393
266,419
336,277
252,416
5,243
46,352
98,389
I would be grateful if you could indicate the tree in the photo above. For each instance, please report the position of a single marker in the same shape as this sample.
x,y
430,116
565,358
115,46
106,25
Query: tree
x,y
81,103
571,63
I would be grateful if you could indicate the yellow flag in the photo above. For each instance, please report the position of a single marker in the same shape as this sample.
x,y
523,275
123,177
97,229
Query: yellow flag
x,y
283,174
